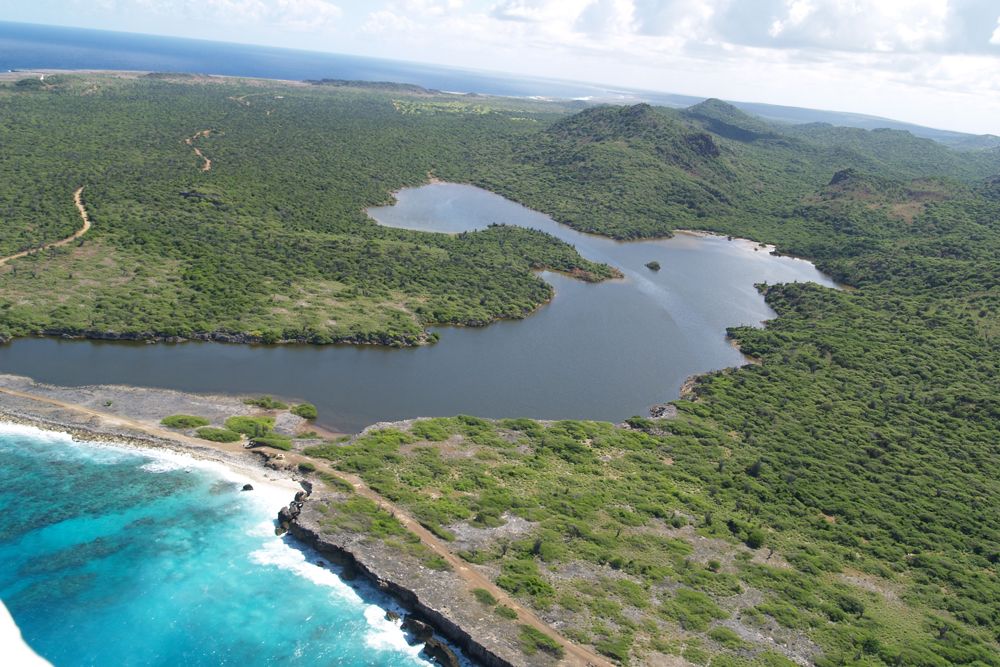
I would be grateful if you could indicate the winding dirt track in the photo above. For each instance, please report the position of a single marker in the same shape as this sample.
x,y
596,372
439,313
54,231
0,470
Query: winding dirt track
x,y
575,655
207,163
78,200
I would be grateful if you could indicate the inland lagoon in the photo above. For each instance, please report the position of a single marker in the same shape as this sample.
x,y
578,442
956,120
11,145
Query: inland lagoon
x,y
597,351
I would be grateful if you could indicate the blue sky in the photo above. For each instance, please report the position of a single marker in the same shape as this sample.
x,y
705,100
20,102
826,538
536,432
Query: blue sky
x,y
935,62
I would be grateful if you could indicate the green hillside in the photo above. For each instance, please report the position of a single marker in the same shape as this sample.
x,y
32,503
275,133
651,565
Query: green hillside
x,y
862,448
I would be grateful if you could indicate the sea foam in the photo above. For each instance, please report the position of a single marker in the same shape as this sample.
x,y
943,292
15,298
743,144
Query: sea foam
x,y
16,652
277,553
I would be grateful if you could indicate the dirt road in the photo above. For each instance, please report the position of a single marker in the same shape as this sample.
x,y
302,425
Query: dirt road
x,y
78,199
206,163
575,655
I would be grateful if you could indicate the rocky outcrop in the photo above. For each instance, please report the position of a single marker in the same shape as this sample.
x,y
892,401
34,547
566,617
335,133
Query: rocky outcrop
x,y
663,411
287,515
420,630
248,487
433,599
438,651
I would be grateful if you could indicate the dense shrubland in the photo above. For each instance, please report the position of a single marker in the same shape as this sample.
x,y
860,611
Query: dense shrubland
x,y
862,449
273,242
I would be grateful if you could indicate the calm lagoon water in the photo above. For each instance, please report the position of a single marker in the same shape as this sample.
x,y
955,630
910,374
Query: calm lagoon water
x,y
119,557
598,351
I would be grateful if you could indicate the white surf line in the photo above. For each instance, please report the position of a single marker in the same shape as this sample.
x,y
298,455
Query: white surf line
x,y
15,649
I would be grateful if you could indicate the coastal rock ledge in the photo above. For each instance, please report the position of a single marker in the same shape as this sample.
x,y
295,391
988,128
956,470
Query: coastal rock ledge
x,y
433,598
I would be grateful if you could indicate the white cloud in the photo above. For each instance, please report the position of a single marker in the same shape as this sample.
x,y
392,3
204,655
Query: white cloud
x,y
862,25
916,59
305,14
798,12
385,21
292,15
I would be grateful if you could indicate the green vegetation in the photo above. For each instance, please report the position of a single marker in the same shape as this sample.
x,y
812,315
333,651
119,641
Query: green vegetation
x,y
503,611
307,466
266,402
693,610
217,434
184,421
251,426
533,641
696,527
274,441
847,483
272,243
356,514
305,410
726,637
484,596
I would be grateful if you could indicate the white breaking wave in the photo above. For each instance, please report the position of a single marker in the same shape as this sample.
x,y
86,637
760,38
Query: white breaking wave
x,y
7,428
384,634
16,653
162,466
276,553
267,498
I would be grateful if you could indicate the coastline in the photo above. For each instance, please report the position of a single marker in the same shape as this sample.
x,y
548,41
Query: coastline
x,y
242,468
274,486
271,490
433,604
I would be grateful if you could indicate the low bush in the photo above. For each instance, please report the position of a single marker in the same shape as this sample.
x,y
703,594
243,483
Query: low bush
x,y
266,402
184,421
533,641
505,612
273,441
726,637
305,410
484,596
217,434
251,426
693,610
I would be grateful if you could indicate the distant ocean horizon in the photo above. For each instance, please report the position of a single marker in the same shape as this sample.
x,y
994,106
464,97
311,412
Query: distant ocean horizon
x,y
32,46
26,46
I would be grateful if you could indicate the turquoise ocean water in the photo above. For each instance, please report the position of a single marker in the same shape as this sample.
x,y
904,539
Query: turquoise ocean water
x,y
112,556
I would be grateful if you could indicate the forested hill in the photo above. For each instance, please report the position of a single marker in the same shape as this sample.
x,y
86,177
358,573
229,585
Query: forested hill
x,y
862,448
677,168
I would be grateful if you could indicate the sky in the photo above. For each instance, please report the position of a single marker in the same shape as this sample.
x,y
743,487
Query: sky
x,y
932,62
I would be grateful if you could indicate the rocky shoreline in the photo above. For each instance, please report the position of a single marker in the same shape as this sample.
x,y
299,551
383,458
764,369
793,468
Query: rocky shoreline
x,y
436,601
425,615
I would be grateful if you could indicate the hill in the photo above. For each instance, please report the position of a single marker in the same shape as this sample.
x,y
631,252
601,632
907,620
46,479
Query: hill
x,y
835,503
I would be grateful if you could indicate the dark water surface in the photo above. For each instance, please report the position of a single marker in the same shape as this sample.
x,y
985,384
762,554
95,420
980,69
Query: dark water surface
x,y
604,351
